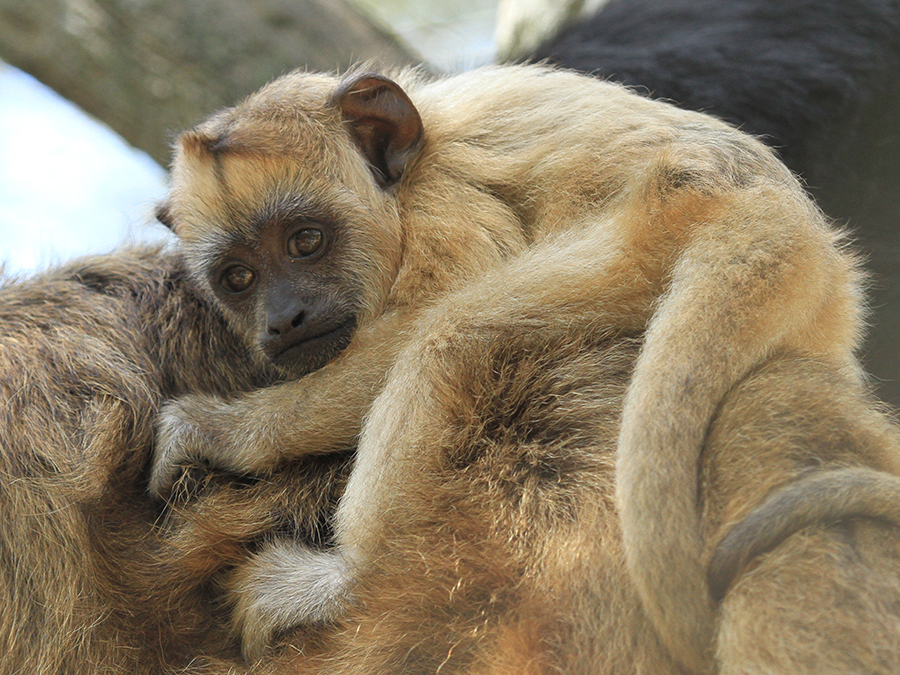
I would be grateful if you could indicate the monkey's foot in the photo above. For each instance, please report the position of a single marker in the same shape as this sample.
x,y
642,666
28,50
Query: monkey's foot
x,y
284,586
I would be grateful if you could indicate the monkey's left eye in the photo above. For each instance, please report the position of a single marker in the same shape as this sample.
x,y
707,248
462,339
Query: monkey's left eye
x,y
237,278
306,242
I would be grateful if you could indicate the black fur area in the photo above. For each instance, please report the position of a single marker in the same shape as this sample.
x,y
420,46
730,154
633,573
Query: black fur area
x,y
790,71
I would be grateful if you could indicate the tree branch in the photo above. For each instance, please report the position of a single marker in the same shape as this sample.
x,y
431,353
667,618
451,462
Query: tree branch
x,y
151,68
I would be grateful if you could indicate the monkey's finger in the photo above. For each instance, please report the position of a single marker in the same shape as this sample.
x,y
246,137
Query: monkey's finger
x,y
173,451
164,476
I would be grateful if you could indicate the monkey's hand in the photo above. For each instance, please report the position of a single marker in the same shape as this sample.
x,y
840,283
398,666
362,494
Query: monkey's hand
x,y
207,430
285,586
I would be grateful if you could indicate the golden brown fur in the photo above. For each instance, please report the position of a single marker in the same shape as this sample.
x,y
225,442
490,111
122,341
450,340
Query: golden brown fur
x,y
94,576
504,555
556,204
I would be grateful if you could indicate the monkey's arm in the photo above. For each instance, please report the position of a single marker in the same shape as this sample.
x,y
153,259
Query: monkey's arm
x,y
322,412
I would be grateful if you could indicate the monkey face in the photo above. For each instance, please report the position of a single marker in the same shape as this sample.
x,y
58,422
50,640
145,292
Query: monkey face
x,y
296,269
286,208
288,286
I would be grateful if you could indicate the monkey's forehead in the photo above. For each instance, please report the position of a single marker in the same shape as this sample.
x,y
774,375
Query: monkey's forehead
x,y
242,163
267,138
291,115
293,98
296,89
237,194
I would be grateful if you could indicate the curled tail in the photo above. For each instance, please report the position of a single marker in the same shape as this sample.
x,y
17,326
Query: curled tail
x,y
821,497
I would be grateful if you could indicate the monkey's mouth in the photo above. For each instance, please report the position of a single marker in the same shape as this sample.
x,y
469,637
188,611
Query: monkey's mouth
x,y
314,351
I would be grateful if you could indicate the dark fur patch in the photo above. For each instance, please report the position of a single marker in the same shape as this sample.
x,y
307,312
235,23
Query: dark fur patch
x,y
96,281
531,410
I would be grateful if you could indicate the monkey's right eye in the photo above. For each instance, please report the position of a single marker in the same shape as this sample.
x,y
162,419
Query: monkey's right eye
x,y
305,243
237,278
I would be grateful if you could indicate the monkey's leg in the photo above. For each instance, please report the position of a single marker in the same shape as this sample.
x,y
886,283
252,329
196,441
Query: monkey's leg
x,y
255,432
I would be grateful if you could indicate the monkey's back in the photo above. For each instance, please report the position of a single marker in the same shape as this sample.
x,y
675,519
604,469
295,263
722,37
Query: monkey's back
x,y
560,147
505,555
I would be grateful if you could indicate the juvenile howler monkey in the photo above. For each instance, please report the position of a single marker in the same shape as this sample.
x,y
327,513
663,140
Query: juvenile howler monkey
x,y
329,214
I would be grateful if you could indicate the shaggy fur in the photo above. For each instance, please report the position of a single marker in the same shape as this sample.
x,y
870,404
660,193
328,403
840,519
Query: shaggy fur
x,y
94,576
554,203
813,79
504,555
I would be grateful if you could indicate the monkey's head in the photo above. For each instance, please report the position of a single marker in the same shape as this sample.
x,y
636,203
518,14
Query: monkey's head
x,y
286,209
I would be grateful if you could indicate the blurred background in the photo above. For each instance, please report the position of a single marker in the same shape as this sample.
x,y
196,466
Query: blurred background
x,y
68,183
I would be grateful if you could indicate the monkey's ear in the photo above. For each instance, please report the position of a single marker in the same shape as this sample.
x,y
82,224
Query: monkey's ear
x,y
164,216
384,123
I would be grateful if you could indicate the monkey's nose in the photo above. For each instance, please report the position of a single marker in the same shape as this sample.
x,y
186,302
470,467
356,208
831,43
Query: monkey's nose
x,y
282,324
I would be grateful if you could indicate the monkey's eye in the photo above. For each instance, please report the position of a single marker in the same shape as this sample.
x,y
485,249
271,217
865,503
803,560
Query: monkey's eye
x,y
304,243
237,278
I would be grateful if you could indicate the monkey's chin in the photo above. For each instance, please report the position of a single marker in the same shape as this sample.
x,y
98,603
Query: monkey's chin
x,y
310,355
